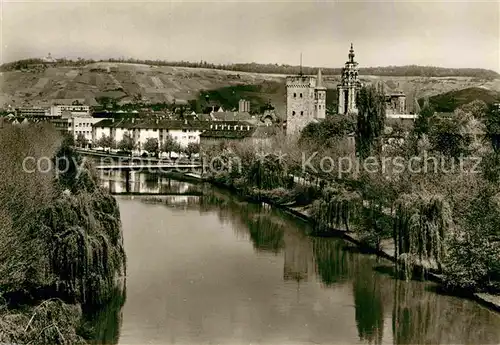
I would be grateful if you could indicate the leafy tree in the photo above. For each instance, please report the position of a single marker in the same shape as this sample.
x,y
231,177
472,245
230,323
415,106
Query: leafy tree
x,y
192,148
328,132
448,136
151,145
422,122
81,141
490,166
477,108
127,143
106,142
492,123
370,120
170,145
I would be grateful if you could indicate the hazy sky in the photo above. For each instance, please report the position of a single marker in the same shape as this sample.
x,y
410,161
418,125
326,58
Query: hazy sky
x,y
451,34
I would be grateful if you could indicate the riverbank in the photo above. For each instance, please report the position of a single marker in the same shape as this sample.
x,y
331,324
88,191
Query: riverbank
x,y
61,247
386,250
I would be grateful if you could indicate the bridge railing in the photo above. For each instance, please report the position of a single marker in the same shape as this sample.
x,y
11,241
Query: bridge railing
x,y
115,159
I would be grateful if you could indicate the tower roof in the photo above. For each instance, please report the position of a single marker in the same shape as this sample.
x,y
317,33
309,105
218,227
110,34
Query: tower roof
x,y
351,54
319,81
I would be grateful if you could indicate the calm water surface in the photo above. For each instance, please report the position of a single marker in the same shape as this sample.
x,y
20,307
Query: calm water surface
x,y
215,270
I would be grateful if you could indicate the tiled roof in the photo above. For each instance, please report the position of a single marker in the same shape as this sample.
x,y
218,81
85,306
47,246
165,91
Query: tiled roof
x,y
216,134
231,116
151,124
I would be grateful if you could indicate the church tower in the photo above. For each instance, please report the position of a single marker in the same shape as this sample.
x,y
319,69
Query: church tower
x,y
320,97
348,86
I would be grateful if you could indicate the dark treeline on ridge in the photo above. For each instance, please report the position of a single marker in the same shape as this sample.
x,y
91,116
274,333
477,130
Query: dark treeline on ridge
x,y
395,71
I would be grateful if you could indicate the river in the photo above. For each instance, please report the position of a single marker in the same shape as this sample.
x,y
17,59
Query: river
x,y
213,269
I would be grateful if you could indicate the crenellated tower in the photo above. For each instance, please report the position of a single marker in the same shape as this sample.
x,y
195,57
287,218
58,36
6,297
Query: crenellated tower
x,y
299,102
349,86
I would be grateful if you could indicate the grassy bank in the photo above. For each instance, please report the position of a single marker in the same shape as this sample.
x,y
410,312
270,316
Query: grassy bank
x,y
61,247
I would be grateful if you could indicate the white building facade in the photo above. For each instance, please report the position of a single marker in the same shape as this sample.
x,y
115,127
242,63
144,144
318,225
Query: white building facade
x,y
76,125
183,132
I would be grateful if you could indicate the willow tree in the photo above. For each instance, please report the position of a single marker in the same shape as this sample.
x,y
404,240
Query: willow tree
x,y
336,208
370,102
267,171
60,237
422,223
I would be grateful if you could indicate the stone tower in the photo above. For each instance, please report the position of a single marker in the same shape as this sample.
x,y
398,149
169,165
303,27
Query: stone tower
x,y
348,86
320,97
305,101
300,102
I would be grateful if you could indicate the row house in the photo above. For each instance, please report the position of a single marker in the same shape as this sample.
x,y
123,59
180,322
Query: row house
x,y
182,131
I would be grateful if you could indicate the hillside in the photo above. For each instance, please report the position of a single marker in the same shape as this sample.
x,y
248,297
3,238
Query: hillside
x,y
393,71
124,82
449,101
158,84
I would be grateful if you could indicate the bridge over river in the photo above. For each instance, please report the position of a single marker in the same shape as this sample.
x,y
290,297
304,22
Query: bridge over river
x,y
137,183
110,161
149,167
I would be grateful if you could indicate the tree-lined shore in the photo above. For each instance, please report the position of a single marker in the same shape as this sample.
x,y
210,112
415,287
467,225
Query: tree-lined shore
x,y
443,218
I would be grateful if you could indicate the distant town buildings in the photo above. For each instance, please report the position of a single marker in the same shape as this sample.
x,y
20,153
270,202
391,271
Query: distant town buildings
x,y
32,112
396,110
396,103
74,110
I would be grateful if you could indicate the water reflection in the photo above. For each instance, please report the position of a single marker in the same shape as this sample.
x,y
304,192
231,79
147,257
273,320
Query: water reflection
x,y
215,269
367,287
332,262
420,316
118,182
102,325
